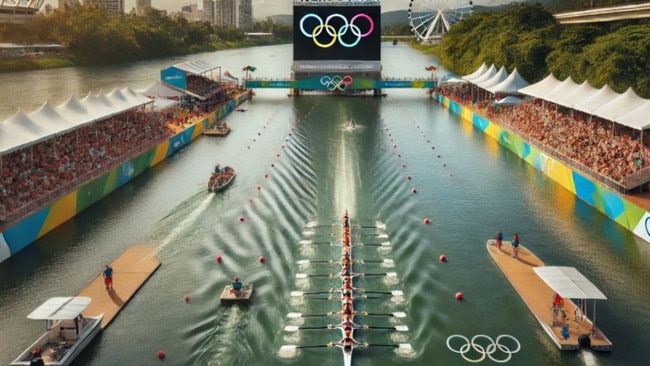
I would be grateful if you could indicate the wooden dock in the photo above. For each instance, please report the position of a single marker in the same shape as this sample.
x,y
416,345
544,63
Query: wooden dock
x,y
539,298
130,271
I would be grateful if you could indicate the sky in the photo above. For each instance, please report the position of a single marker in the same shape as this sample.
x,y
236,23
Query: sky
x,y
264,8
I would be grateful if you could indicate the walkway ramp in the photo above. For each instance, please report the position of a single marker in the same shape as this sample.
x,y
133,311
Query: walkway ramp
x,y
130,271
539,297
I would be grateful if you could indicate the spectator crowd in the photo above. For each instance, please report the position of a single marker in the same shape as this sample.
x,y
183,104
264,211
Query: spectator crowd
x,y
61,163
607,151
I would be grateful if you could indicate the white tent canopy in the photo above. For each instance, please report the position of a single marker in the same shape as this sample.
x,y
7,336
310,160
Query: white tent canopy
x,y
60,308
500,76
566,87
487,75
541,88
509,100
476,73
583,91
621,104
158,89
510,85
569,283
597,99
195,66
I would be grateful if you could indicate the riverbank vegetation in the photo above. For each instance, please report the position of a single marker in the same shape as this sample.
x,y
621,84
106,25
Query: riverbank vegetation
x,y
529,38
91,35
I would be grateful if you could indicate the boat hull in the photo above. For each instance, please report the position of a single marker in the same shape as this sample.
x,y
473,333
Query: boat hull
x,y
91,329
17,235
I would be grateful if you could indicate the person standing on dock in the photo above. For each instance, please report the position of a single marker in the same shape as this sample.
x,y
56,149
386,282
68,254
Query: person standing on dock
x,y
108,277
515,246
499,239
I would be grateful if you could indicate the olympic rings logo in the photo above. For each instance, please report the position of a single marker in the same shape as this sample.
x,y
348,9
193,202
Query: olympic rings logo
x,y
488,350
336,82
336,34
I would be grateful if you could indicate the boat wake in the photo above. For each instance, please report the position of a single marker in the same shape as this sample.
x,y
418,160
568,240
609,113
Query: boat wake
x,y
187,222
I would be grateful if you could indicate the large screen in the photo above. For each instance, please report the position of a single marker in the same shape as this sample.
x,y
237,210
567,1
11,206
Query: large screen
x,y
336,33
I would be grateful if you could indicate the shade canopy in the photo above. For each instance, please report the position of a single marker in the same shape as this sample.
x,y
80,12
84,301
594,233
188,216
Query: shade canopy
x,y
569,283
60,308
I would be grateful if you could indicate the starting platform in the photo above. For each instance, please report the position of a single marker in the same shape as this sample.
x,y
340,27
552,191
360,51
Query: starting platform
x,y
567,325
130,271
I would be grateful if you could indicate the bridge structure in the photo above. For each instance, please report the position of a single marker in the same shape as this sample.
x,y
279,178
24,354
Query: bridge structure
x,y
606,14
337,49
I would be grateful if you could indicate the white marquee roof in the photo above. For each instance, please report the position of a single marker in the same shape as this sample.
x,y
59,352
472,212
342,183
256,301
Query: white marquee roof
x,y
511,84
158,89
569,283
500,76
489,73
476,73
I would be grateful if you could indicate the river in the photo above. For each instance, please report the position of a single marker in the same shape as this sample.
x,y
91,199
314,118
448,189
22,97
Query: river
x,y
300,168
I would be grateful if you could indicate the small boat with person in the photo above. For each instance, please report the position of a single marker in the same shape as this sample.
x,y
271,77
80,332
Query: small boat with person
x,y
220,129
237,292
221,178
67,333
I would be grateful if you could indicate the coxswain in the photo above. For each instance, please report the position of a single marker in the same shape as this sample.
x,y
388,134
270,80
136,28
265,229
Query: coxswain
x,y
236,285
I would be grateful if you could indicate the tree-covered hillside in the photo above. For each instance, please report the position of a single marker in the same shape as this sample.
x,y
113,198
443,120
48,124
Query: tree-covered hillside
x,y
528,37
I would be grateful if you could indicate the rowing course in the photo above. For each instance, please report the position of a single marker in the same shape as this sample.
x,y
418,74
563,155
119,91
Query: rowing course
x,y
303,186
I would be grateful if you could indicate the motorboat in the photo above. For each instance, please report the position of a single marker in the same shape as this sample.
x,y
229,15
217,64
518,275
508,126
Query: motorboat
x,y
221,180
221,129
67,332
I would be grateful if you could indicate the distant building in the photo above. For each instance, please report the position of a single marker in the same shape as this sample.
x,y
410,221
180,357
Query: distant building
x,y
209,11
141,6
235,13
113,6
246,14
226,13
67,4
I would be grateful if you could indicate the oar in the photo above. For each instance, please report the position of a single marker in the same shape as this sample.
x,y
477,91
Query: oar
x,y
302,293
382,244
293,347
398,314
354,261
353,274
399,345
295,328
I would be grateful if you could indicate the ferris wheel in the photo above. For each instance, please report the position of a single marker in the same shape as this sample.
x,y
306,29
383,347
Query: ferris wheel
x,y
432,18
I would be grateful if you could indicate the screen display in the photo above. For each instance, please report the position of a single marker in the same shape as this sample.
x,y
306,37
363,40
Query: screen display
x,y
336,33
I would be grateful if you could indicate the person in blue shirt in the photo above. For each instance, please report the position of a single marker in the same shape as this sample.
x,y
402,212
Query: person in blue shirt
x,y
515,246
237,285
499,239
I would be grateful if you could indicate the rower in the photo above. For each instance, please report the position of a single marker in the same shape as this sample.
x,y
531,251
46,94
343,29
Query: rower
x,y
347,342
236,285
345,259
347,298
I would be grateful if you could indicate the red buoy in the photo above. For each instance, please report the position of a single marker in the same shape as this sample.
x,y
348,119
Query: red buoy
x,y
266,175
161,354
272,165
403,165
258,188
241,218
394,145
443,258
219,259
262,259
277,155
426,221
408,177
399,155
459,296
187,298
414,190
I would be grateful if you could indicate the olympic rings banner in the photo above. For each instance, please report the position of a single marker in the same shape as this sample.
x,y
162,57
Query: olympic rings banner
x,y
336,33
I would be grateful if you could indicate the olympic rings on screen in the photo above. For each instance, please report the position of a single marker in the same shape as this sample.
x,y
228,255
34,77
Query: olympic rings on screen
x,y
336,82
492,347
336,34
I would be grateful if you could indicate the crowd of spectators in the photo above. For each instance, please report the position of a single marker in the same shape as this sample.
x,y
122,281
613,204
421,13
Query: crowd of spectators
x,y
203,86
13,52
594,145
38,173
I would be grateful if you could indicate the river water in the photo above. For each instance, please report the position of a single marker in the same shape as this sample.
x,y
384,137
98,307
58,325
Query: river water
x,y
300,168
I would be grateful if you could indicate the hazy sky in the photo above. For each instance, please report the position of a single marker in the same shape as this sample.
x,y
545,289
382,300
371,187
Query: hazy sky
x,y
264,8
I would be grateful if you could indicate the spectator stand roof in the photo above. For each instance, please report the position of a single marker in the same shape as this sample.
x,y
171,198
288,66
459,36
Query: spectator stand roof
x,y
500,76
176,75
25,129
510,85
